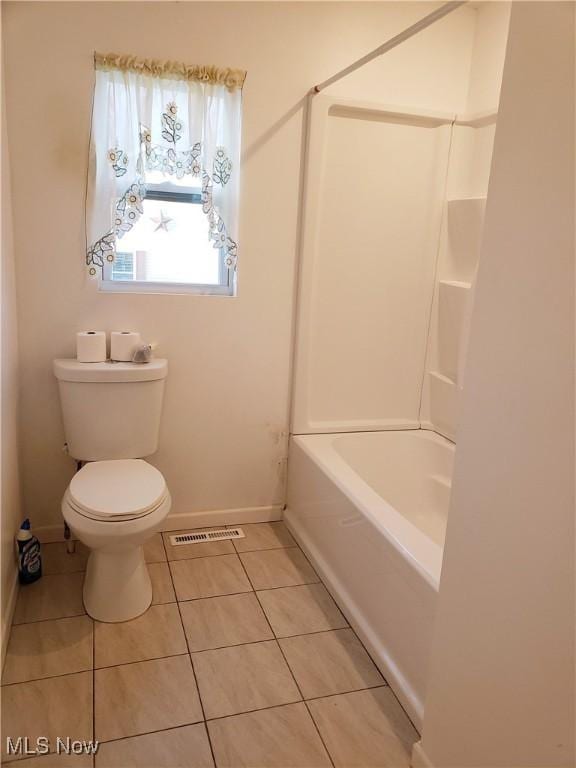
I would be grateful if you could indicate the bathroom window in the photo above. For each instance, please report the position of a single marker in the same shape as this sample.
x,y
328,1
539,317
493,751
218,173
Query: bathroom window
x,y
168,249
164,173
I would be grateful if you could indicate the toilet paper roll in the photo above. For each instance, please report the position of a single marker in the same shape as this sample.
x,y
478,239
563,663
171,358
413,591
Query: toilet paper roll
x,y
91,346
123,344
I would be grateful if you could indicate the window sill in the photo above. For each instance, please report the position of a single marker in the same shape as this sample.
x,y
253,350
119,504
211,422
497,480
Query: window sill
x,y
135,286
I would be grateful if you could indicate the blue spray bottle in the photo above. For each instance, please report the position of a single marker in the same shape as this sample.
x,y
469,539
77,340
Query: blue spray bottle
x,y
29,559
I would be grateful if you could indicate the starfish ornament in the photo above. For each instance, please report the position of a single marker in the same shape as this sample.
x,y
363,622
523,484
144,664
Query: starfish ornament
x,y
162,221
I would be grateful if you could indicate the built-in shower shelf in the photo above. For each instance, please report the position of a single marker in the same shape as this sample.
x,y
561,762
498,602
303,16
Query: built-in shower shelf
x,y
457,284
481,199
446,381
452,307
465,219
443,404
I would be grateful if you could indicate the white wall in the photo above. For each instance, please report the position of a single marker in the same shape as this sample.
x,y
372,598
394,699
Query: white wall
x,y
471,151
490,35
9,447
227,395
502,683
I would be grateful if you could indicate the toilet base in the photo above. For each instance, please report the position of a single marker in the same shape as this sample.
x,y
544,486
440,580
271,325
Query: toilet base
x,y
117,585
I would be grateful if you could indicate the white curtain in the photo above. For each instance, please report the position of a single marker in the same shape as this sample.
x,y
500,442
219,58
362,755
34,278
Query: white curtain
x,y
176,120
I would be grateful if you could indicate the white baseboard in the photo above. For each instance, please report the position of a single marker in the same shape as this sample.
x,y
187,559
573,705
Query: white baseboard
x,y
47,534
51,533
8,616
222,517
419,757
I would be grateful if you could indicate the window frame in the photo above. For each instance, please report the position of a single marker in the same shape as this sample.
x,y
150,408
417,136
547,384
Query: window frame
x,y
169,192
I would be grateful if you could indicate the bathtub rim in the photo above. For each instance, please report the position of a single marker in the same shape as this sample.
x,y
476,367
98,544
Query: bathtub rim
x,y
422,553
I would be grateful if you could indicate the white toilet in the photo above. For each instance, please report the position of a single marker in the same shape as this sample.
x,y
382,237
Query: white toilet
x,y
116,501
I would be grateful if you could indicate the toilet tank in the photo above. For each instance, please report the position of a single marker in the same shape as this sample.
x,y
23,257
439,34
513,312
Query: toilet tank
x,y
111,410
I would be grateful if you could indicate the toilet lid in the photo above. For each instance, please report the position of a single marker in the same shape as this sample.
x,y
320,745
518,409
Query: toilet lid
x,y
117,490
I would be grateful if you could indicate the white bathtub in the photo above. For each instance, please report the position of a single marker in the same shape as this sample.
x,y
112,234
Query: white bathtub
x,y
370,510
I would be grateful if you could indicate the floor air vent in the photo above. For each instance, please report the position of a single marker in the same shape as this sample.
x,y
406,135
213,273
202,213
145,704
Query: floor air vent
x,y
203,536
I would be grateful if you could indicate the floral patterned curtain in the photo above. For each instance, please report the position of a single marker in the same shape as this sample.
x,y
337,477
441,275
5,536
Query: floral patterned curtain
x,y
179,120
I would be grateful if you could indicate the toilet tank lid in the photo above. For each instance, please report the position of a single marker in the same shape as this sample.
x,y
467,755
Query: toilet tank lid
x,y
72,370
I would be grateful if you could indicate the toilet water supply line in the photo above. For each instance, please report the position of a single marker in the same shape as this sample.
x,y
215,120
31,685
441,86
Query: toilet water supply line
x,y
70,542
439,13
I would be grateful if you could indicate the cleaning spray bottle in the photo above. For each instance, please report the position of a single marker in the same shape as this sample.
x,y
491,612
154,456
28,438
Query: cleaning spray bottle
x,y
28,550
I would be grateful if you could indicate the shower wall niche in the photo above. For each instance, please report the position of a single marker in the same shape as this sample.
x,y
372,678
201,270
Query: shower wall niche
x,y
460,240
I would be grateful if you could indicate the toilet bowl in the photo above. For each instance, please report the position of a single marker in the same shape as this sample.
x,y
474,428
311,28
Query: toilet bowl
x,y
113,507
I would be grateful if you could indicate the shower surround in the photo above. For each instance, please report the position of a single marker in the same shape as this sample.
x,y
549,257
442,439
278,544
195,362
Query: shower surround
x,y
385,299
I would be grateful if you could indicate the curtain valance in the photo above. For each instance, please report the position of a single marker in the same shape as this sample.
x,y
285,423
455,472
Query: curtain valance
x,y
231,78
159,121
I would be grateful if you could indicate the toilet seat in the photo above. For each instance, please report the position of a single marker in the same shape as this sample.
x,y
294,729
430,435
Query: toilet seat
x,y
122,489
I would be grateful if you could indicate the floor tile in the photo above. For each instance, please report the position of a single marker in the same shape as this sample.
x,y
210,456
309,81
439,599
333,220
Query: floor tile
x,y
365,728
154,549
153,635
278,568
283,737
48,648
330,662
264,536
209,577
243,678
162,588
57,761
56,558
299,610
221,621
204,549
58,706
51,597
148,696
186,747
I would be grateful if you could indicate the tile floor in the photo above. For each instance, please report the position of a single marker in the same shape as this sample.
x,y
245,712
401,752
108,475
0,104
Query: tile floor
x,y
243,659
